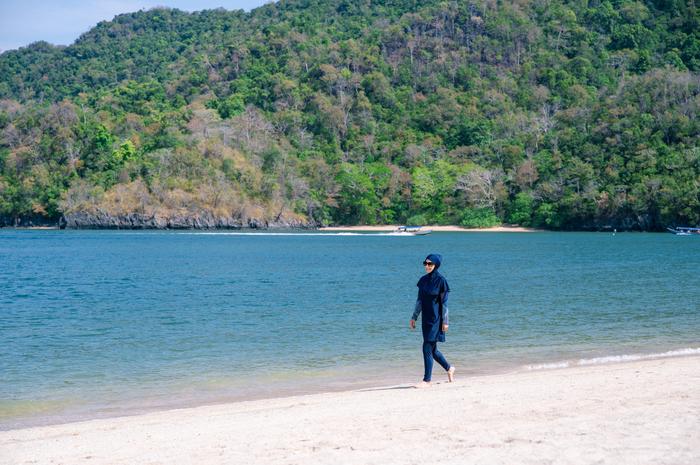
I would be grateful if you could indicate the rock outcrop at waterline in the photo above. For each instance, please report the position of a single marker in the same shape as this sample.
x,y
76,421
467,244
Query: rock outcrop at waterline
x,y
103,220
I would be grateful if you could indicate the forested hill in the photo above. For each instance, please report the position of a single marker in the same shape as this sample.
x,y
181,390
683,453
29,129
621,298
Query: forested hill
x,y
548,113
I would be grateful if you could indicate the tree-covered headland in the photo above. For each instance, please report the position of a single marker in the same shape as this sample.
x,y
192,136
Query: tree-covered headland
x,y
548,113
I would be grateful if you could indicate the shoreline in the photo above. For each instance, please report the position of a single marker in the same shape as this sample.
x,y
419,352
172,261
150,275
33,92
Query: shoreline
x,y
628,412
360,228
28,228
434,228
347,380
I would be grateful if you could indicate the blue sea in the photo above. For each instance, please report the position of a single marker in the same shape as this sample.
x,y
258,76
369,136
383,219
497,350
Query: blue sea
x,y
108,323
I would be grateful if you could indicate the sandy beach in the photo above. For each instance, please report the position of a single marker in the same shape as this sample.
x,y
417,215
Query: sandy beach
x,y
645,412
436,228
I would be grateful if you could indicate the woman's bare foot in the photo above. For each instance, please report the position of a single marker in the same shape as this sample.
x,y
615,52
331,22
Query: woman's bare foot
x,y
451,374
423,384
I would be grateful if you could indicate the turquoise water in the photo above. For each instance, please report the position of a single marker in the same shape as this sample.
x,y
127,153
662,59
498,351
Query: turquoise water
x,y
98,323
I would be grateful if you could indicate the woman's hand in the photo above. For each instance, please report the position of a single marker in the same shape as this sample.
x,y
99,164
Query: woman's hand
x,y
444,328
412,324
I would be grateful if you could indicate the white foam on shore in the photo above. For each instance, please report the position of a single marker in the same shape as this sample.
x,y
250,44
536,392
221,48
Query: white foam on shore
x,y
613,359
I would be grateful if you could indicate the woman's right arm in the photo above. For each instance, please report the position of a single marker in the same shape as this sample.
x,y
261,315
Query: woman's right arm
x,y
416,311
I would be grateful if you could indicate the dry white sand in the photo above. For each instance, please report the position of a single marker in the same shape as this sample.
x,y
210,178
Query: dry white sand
x,y
633,413
436,228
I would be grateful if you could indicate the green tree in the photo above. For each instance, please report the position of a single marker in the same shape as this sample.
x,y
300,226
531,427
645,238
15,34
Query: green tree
x,y
521,209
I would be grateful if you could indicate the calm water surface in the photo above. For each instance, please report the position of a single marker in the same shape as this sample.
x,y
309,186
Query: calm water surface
x,y
108,323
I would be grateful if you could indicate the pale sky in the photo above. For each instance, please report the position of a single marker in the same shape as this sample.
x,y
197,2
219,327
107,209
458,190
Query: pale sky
x,y
60,22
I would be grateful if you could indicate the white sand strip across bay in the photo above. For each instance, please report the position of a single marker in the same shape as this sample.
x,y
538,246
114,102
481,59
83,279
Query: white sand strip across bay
x,y
435,228
645,412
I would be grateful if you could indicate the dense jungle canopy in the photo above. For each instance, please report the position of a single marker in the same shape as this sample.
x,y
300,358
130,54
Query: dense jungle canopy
x,y
547,113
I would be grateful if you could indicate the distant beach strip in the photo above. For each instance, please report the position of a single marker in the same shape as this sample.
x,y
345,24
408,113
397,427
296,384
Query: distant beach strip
x,y
448,228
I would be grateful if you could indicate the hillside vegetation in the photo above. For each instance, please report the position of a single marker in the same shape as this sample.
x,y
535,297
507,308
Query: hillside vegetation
x,y
547,113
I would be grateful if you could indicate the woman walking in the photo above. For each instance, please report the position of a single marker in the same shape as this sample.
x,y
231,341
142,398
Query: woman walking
x,y
433,292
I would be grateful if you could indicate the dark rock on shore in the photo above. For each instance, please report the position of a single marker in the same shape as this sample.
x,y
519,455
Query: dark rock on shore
x,y
101,220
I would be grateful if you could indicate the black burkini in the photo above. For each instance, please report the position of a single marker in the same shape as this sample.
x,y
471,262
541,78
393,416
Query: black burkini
x,y
433,292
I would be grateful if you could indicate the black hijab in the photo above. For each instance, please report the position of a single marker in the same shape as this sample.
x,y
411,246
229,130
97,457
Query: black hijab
x,y
433,283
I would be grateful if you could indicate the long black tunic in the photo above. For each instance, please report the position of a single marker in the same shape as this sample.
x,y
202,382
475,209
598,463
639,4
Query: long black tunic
x,y
433,292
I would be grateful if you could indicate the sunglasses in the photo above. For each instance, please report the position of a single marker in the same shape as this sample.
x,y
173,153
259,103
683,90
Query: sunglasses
x,y
427,263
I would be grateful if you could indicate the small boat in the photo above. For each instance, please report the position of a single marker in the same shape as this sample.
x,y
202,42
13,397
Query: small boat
x,y
412,230
684,231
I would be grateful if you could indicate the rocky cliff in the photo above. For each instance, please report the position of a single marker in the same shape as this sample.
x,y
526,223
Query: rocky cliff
x,y
103,220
